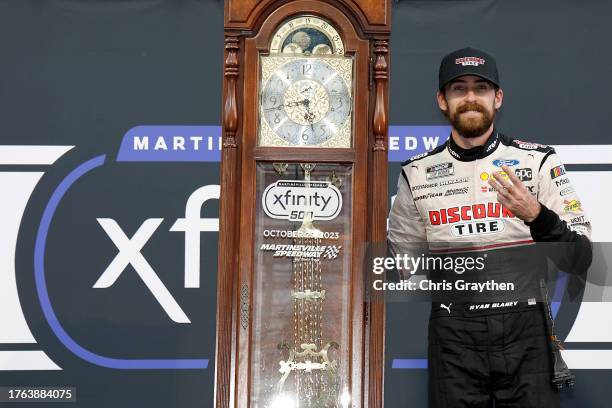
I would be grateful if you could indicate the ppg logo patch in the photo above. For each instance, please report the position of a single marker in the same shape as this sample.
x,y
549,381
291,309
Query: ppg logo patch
x,y
524,174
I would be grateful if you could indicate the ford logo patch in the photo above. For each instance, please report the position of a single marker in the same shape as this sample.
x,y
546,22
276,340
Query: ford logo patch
x,y
505,162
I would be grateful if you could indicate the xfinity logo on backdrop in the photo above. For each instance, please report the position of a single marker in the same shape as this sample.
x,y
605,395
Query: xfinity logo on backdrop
x,y
296,200
57,225
129,250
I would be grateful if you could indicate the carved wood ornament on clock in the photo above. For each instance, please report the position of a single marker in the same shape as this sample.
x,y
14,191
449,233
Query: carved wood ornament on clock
x,y
303,195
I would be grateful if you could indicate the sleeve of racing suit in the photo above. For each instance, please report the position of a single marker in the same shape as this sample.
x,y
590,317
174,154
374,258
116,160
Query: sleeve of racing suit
x,y
406,230
562,218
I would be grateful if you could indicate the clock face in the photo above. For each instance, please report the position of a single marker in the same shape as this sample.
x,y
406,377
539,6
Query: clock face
x,y
305,101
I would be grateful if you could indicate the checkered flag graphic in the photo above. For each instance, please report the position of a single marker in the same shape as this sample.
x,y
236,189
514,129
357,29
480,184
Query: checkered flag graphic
x,y
331,252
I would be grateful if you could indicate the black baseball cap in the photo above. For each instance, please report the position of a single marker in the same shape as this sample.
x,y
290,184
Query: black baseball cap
x,y
467,61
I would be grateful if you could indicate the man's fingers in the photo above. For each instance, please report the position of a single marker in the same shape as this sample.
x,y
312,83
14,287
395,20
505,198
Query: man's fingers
x,y
499,188
503,200
501,180
515,180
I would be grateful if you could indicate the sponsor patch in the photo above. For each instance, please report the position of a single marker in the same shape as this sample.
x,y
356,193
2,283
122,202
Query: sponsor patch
x,y
580,228
561,182
454,181
455,191
525,174
484,176
557,172
453,153
477,228
426,196
443,306
572,206
566,191
418,156
528,145
505,162
439,171
423,186
489,189
480,211
576,220
492,145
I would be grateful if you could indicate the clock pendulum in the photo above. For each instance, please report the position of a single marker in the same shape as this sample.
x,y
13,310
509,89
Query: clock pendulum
x,y
316,383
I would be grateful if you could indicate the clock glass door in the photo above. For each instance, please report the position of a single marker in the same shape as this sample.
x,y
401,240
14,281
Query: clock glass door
x,y
301,323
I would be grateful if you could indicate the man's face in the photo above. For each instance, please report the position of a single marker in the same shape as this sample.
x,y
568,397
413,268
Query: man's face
x,y
470,103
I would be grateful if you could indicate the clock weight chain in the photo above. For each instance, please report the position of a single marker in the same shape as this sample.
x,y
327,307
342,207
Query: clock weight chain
x,y
314,374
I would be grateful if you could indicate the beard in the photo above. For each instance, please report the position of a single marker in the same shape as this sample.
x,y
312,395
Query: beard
x,y
471,127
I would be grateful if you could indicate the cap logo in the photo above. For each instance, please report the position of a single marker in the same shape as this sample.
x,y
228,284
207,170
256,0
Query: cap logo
x,y
475,61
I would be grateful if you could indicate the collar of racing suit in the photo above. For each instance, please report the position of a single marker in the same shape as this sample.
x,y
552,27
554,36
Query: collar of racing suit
x,y
474,153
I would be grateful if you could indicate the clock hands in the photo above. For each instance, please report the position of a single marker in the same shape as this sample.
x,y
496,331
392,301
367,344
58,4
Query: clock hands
x,y
289,105
309,116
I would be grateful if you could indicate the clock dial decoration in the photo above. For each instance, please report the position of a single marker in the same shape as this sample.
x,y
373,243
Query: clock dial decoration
x,y
306,101
307,35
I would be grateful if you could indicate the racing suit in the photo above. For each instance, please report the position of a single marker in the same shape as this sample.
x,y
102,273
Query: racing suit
x,y
489,346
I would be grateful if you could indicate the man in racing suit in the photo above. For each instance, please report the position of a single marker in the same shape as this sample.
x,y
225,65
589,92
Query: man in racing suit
x,y
483,192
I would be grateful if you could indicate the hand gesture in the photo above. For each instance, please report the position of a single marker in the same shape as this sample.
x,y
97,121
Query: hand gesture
x,y
514,195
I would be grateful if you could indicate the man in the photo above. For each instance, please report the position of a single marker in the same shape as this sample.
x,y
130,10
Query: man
x,y
485,193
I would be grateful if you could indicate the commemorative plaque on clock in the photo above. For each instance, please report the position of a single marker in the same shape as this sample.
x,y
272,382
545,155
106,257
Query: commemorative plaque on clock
x,y
303,194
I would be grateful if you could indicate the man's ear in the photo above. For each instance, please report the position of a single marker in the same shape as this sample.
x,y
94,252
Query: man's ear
x,y
442,101
499,98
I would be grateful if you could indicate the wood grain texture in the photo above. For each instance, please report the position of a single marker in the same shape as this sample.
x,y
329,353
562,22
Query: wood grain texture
x,y
371,16
374,307
226,312
249,25
230,109
381,124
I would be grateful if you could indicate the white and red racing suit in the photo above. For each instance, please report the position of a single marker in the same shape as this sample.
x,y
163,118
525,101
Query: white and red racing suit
x,y
484,348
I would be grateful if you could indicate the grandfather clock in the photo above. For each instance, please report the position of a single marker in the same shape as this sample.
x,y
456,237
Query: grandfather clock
x,y
303,194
